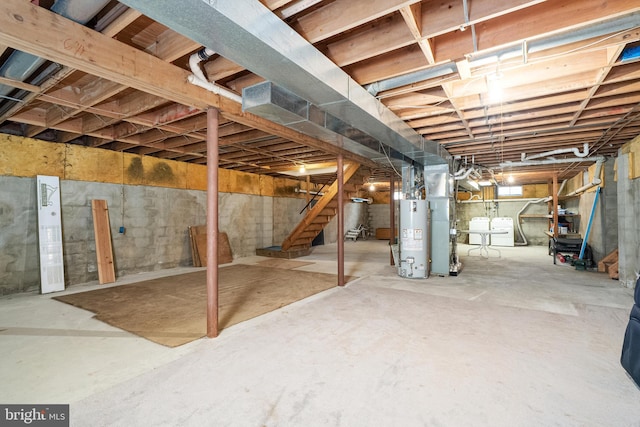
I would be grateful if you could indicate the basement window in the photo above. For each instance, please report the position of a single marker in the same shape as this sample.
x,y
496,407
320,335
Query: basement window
x,y
509,190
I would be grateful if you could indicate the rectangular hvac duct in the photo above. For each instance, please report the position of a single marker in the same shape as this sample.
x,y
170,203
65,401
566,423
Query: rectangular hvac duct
x,y
249,34
281,106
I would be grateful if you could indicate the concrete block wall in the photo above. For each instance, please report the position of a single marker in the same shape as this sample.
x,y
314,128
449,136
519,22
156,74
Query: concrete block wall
x,y
603,235
243,218
154,208
610,206
286,214
379,214
354,214
19,265
155,219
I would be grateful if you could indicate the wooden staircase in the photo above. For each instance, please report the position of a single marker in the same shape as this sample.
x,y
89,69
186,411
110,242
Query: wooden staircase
x,y
321,213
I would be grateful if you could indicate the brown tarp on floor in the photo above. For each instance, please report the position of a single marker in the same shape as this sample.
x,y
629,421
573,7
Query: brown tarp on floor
x,y
172,310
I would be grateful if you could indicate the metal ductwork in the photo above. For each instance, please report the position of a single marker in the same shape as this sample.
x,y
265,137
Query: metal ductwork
x,y
249,34
520,49
281,106
20,66
439,70
598,29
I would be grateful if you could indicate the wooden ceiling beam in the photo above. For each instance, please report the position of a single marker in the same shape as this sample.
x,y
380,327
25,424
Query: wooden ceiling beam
x,y
19,84
167,115
396,63
64,41
445,17
613,102
111,30
276,4
95,92
379,37
341,15
170,46
536,21
417,98
412,16
220,68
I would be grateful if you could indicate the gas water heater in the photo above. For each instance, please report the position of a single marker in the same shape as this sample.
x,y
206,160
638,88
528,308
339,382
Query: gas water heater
x,y
413,244
413,226
424,233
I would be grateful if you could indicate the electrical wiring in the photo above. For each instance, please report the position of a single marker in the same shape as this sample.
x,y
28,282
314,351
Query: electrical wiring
x,y
389,160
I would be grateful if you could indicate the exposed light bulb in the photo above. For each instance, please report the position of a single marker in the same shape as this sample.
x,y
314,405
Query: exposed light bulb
x,y
510,179
372,187
302,169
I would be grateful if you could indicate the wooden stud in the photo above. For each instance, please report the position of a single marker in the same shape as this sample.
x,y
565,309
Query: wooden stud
x,y
104,250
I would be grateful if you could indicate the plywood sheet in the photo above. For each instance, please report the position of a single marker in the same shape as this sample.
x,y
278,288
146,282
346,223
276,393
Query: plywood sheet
x,y
104,250
287,264
172,310
88,164
198,235
30,157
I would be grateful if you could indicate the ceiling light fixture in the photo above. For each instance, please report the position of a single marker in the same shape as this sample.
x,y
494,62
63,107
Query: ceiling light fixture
x,y
510,179
302,169
494,87
372,187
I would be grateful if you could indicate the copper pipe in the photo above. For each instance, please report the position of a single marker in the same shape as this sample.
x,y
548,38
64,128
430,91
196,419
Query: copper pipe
x,y
340,222
212,223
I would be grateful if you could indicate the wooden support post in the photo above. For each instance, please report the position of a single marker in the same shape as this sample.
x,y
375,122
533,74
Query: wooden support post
x,y
555,205
340,221
392,219
212,222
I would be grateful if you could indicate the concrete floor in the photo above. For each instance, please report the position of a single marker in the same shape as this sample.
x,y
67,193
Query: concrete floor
x,y
510,341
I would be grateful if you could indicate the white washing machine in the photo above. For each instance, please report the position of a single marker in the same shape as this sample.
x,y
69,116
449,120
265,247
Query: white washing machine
x,y
502,224
478,223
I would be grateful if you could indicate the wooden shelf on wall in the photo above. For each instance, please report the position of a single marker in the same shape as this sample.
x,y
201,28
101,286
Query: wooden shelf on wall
x,y
546,215
565,235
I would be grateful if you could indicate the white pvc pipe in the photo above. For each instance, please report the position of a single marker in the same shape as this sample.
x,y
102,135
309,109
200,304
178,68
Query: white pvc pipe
x,y
544,199
198,78
315,193
596,180
573,150
464,175
550,162
460,172
194,64
214,88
